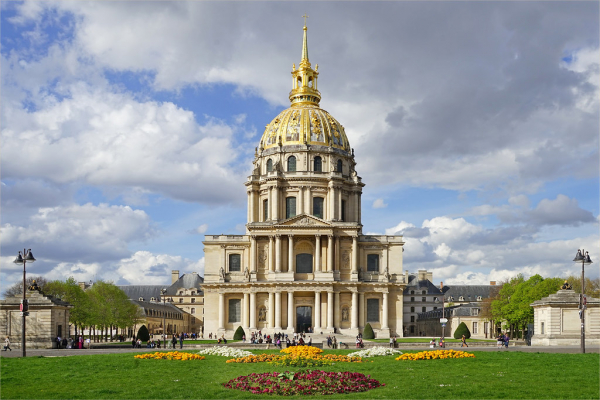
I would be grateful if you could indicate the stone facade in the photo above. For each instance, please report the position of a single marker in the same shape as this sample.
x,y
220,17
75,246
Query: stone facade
x,y
48,318
304,262
557,322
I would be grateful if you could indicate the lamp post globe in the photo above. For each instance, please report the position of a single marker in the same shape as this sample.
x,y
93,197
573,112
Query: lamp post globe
x,y
23,259
582,257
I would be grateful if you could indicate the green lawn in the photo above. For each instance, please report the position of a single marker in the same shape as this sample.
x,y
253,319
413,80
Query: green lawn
x,y
491,375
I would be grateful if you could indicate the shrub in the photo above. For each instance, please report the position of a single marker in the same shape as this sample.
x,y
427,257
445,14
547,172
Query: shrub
x,y
462,329
239,333
143,334
368,332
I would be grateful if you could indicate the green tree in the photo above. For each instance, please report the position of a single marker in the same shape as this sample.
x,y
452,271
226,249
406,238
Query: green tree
x,y
462,329
143,334
72,293
368,332
239,333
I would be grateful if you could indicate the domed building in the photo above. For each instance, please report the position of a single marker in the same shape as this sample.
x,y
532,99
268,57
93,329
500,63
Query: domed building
x,y
303,264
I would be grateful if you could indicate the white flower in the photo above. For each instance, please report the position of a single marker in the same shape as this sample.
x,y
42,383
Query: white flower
x,y
375,351
225,352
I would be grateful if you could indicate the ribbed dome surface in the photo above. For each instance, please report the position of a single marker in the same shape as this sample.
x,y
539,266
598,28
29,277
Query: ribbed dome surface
x,y
305,124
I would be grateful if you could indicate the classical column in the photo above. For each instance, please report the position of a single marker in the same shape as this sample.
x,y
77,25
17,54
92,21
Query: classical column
x,y
355,254
339,204
361,310
354,314
317,311
271,312
270,204
252,311
356,207
278,253
276,203
330,253
277,311
336,311
331,201
290,324
336,266
253,253
300,200
329,311
250,206
290,253
384,323
245,310
271,254
221,311
318,253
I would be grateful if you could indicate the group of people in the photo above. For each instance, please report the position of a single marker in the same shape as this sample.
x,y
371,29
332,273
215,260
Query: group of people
x,y
332,342
440,343
70,343
502,341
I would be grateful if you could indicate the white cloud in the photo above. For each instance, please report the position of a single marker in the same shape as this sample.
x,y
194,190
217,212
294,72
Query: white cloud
x,y
379,203
80,233
201,229
145,268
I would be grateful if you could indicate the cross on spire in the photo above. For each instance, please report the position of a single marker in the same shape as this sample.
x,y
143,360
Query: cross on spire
x,y
305,16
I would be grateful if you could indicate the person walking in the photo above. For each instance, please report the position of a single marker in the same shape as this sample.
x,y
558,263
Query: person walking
x,y
7,344
391,342
463,341
181,341
506,339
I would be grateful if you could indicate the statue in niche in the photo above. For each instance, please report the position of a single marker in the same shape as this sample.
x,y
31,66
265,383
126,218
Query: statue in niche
x,y
345,314
222,273
247,274
262,314
387,274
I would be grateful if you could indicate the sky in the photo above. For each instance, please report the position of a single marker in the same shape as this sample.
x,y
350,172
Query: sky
x,y
128,129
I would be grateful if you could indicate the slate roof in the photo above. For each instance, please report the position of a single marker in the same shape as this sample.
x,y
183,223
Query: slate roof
x,y
468,292
169,307
415,284
187,281
134,292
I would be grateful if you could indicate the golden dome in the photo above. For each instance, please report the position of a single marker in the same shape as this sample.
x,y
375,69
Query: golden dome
x,y
304,122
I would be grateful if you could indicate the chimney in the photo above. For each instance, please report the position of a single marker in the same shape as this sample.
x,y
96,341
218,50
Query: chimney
x,y
174,275
493,283
441,285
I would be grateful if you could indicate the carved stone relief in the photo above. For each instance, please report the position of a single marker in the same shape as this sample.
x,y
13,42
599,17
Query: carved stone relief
x,y
263,256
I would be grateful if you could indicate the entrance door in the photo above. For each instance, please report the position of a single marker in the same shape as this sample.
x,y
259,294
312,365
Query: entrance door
x,y
303,318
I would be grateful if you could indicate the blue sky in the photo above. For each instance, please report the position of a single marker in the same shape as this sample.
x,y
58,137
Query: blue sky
x,y
128,129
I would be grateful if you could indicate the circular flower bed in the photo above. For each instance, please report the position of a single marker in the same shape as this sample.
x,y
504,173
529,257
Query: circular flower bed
x,y
171,355
297,356
434,355
225,352
304,383
374,352
306,351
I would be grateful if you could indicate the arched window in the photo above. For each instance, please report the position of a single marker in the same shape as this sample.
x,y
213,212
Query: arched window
x,y
304,263
141,299
318,164
339,166
269,165
318,207
461,298
291,164
290,207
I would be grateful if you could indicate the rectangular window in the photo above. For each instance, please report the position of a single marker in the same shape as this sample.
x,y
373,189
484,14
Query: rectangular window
x,y
412,299
373,262
474,328
290,207
193,300
235,263
193,320
343,216
423,299
424,309
193,311
412,309
412,318
435,308
235,310
542,328
372,310
181,300
265,210
318,207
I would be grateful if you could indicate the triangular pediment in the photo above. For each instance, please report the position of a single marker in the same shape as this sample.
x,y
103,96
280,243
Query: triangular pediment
x,y
305,220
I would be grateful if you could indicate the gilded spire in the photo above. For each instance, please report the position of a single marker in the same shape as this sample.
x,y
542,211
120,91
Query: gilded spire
x,y
304,90
304,60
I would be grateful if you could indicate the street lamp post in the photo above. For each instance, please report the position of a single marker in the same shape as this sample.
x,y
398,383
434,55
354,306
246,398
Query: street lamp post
x,y
584,259
163,292
24,305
